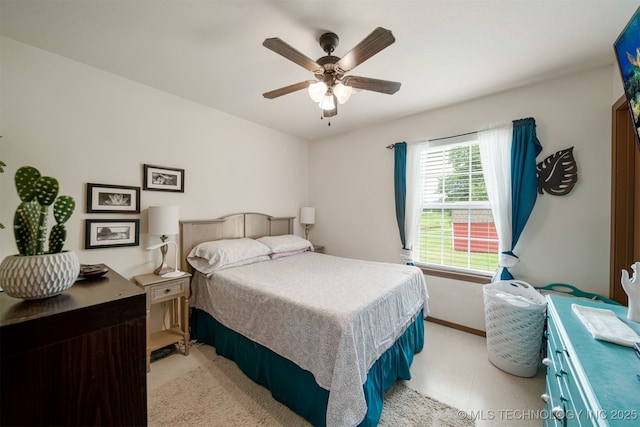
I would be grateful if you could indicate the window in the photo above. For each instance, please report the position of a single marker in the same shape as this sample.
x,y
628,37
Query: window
x,y
457,231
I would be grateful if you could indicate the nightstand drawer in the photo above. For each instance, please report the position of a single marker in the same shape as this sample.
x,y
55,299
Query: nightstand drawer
x,y
165,291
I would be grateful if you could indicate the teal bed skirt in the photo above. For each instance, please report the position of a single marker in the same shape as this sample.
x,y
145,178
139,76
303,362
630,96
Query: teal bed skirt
x,y
296,387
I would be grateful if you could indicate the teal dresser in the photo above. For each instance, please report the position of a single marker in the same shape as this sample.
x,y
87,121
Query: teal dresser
x,y
589,382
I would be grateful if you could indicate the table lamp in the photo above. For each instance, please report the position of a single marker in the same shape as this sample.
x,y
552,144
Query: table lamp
x,y
163,221
307,218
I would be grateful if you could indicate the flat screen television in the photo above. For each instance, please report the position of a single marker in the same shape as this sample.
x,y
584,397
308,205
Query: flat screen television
x,y
627,50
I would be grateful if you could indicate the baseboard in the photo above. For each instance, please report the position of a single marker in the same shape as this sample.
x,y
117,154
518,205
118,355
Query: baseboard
x,y
456,326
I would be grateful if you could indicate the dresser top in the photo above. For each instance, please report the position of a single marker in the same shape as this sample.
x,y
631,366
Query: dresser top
x,y
83,294
609,369
89,305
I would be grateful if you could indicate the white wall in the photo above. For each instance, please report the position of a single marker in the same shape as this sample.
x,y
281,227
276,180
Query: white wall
x,y
566,239
80,124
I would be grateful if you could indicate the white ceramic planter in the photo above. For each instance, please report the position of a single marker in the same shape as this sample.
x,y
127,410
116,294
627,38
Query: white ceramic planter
x,y
38,276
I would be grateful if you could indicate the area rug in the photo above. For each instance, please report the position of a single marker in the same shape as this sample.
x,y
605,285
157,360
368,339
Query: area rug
x,y
219,394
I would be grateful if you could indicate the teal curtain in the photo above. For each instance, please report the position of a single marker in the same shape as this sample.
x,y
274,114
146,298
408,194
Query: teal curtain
x,y
400,186
525,147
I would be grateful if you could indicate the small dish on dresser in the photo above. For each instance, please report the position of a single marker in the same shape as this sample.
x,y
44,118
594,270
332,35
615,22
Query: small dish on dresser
x,y
91,271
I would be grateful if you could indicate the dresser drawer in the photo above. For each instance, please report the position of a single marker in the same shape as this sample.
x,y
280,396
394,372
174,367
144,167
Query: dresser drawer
x,y
566,406
556,351
167,291
554,401
579,407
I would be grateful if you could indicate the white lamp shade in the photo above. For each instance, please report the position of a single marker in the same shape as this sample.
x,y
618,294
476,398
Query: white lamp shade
x,y
342,92
307,215
163,220
317,91
327,102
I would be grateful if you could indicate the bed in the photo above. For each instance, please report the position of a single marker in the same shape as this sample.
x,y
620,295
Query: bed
x,y
326,335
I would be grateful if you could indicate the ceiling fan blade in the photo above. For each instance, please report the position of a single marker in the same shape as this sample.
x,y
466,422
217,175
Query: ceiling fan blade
x,y
288,89
280,47
369,46
376,85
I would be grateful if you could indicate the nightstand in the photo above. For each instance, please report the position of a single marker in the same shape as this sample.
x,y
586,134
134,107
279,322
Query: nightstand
x,y
173,291
318,248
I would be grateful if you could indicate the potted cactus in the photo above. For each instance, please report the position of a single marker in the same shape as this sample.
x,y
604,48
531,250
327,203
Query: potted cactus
x,y
34,273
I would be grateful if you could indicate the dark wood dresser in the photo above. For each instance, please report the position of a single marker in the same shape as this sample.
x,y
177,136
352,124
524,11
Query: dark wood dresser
x,y
78,358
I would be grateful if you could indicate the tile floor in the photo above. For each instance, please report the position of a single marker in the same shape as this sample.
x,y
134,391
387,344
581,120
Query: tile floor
x,y
452,368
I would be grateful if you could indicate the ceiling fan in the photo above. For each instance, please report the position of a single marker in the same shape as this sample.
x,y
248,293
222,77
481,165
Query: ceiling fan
x,y
332,85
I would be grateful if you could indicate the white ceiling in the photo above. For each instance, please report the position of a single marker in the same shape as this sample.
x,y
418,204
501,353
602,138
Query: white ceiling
x,y
210,51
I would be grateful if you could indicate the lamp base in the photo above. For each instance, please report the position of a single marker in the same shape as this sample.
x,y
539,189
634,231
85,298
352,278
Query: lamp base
x,y
163,269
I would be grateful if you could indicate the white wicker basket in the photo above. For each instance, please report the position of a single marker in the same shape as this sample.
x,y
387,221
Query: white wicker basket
x,y
514,321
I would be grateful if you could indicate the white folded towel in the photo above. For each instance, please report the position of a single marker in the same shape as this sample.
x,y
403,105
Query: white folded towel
x,y
604,325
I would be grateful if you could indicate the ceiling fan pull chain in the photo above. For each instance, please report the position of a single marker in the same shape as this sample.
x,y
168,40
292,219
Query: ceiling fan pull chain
x,y
328,120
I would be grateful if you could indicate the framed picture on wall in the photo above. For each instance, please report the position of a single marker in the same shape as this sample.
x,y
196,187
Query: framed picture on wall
x,y
112,198
160,178
110,233
627,50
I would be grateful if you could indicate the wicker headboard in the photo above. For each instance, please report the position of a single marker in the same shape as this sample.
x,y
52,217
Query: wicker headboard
x,y
234,226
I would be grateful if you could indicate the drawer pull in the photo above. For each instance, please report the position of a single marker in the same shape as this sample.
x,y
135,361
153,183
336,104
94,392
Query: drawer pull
x,y
544,397
557,412
546,362
166,291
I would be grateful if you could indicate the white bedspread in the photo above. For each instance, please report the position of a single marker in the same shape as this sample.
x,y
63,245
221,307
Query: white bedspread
x,y
331,316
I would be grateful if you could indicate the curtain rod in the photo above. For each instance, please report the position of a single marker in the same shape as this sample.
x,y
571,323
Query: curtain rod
x,y
390,146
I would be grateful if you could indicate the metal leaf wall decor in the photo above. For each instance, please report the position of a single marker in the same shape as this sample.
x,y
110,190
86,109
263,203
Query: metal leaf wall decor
x,y
558,173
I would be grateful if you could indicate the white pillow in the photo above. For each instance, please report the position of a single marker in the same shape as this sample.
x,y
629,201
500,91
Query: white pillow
x,y
286,243
215,255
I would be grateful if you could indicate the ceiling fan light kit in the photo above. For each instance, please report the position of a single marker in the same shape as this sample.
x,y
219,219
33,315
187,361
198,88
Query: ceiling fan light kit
x,y
332,85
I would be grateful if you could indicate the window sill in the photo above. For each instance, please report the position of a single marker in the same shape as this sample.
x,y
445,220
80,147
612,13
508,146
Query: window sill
x,y
456,275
